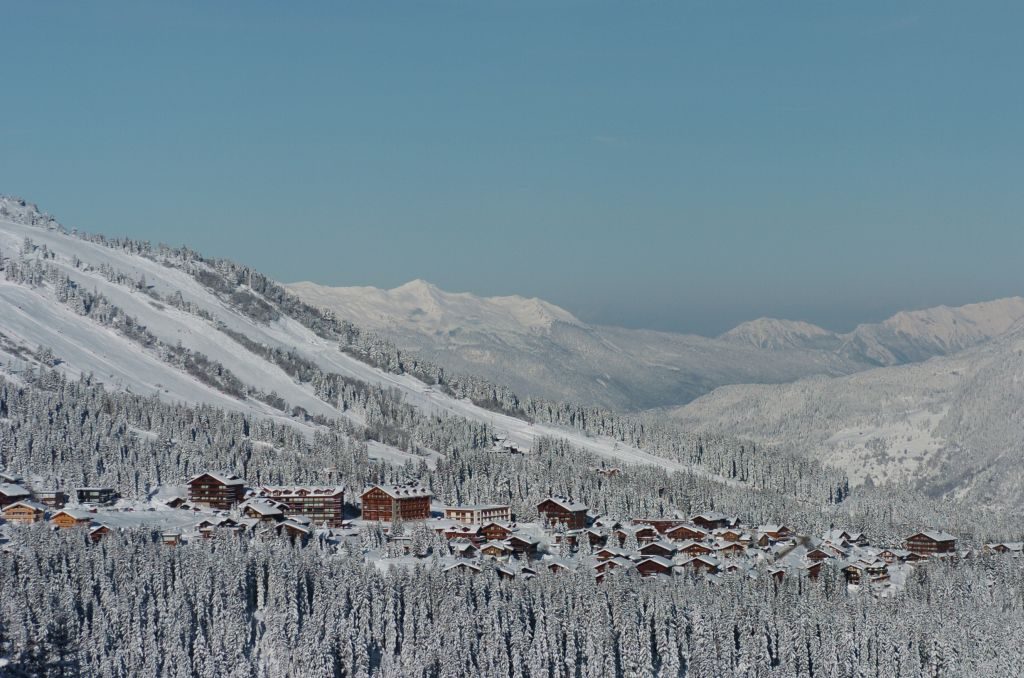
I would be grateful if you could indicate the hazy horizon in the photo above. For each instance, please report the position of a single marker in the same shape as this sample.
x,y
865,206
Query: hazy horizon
x,y
676,167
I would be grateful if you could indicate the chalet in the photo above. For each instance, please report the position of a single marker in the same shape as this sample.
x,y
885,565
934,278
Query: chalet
x,y
557,510
844,538
12,478
695,548
496,531
171,538
713,520
98,532
559,566
217,490
24,512
664,549
496,549
96,496
479,513
66,518
644,534
813,569
388,502
652,566
55,499
702,564
776,532
617,563
609,472
295,531
931,542
463,567
891,556
596,536
819,554
662,525
731,549
323,505
262,510
463,548
686,533
609,552
733,535
862,572
1014,547
777,573
11,493
470,532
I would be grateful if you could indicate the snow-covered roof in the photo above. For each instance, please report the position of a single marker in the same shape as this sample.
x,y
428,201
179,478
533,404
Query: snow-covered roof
x,y
402,491
566,504
264,508
664,562
286,491
223,478
77,514
476,507
667,545
36,506
936,535
12,490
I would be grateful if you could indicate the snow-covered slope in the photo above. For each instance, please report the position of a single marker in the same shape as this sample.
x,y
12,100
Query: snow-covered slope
x,y
952,424
32,318
540,349
543,350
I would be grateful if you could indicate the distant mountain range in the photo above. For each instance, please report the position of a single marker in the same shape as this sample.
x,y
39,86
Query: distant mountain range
x,y
539,348
950,425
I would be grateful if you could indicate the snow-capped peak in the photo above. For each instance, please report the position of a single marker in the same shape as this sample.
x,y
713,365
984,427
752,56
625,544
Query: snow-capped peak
x,y
774,333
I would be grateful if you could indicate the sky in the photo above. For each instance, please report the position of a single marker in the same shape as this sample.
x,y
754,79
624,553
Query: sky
x,y
680,166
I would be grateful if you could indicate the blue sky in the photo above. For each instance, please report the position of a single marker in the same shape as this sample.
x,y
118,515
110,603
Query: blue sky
x,y
677,166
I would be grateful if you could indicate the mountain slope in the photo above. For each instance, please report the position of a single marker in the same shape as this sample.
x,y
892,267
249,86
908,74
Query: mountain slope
x,y
952,424
542,350
168,323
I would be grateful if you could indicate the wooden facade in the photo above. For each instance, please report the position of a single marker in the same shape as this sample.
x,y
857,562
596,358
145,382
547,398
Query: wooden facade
x,y
71,518
24,512
571,514
322,505
11,493
931,543
221,491
388,502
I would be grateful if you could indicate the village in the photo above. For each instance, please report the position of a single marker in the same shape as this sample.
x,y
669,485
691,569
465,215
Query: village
x,y
400,525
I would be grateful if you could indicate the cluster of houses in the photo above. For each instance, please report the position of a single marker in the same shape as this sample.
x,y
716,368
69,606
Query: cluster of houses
x,y
567,536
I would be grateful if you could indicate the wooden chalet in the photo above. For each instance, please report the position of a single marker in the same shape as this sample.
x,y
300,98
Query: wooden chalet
x,y
496,531
221,491
597,536
931,542
862,572
891,556
814,568
478,514
263,510
610,552
66,518
776,532
98,532
713,520
664,549
323,505
463,567
731,549
171,538
705,564
388,502
696,548
558,510
645,534
463,548
1014,547
295,531
470,532
662,525
24,512
732,534
819,554
653,566
496,549
11,493
686,532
